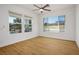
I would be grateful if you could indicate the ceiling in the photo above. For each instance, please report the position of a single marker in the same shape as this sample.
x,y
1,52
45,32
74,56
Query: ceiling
x,y
53,7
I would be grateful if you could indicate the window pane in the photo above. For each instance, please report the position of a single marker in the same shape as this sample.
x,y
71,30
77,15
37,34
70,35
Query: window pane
x,y
14,24
51,23
29,21
45,20
15,28
13,19
61,22
54,23
28,25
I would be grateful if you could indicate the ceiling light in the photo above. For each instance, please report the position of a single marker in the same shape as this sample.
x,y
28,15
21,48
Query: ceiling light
x,y
41,10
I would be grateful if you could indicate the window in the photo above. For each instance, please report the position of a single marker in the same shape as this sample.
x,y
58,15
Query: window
x,y
28,24
14,23
54,23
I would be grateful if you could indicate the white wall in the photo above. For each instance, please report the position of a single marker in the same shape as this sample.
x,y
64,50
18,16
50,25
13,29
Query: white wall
x,y
77,25
69,33
37,25
5,37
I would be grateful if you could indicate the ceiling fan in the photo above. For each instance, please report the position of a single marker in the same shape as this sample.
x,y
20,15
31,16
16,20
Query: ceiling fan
x,y
42,8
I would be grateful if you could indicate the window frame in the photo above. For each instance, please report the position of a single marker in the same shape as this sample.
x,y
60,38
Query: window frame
x,y
16,28
27,18
58,25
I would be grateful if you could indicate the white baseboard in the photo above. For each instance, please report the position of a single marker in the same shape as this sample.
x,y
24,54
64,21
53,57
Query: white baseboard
x,y
57,38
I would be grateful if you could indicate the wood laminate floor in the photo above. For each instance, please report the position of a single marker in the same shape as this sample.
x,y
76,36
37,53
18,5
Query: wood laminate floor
x,y
41,46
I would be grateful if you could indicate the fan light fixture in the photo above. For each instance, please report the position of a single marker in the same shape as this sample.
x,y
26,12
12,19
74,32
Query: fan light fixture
x,y
43,8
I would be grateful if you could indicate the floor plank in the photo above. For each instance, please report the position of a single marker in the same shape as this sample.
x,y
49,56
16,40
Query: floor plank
x,y
41,46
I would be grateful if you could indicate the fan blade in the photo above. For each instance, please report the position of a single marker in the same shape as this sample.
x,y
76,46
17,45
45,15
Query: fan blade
x,y
36,6
47,9
35,9
45,6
